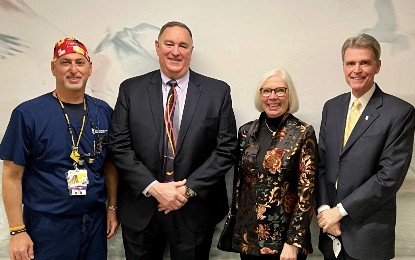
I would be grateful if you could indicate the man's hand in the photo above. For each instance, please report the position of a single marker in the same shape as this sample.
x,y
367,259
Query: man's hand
x,y
182,191
327,218
21,247
334,230
170,195
289,252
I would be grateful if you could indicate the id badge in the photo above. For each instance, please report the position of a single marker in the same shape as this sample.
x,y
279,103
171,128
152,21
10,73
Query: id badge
x,y
77,182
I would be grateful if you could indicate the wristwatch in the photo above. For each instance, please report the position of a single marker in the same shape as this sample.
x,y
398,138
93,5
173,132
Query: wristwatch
x,y
189,192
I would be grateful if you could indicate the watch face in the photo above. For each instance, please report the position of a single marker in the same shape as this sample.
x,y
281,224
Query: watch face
x,y
189,192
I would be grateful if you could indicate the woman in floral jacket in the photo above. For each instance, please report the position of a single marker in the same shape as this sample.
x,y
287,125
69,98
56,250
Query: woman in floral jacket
x,y
275,190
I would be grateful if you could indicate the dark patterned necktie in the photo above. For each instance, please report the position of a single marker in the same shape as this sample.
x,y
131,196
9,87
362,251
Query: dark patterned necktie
x,y
171,124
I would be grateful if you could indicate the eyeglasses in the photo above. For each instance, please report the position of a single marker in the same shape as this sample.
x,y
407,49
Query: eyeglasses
x,y
101,140
279,92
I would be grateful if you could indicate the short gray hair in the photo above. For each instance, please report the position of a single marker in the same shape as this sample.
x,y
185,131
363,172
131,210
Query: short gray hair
x,y
362,41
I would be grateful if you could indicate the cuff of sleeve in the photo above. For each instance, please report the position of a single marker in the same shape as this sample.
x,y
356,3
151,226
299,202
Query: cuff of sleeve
x,y
322,208
342,211
145,191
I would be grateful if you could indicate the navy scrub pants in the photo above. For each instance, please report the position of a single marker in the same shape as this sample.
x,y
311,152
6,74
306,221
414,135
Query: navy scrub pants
x,y
75,237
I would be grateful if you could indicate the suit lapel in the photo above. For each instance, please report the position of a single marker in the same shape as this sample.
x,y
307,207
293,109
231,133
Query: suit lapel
x,y
341,114
192,99
368,116
156,102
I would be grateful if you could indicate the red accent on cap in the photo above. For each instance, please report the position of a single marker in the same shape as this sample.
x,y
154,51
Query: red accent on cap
x,y
69,45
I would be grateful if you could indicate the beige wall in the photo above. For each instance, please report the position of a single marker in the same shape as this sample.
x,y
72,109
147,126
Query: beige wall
x,y
236,41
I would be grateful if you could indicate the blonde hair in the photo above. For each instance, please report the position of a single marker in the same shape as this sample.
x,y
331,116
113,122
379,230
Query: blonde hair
x,y
293,103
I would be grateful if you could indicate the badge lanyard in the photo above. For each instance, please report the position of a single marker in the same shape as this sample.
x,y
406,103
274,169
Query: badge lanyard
x,y
75,152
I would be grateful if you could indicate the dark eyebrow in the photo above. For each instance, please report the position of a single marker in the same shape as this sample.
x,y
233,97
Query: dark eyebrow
x,y
78,59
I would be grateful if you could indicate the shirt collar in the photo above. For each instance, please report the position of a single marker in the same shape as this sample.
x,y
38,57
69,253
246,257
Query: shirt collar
x,y
182,83
364,100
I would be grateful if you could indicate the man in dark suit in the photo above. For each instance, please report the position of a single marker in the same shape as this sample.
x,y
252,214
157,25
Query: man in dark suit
x,y
360,174
182,207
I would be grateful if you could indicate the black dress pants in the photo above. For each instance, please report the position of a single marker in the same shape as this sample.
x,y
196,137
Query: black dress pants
x,y
171,228
326,247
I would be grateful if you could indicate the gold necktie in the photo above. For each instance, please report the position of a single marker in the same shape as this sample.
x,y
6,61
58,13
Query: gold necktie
x,y
352,119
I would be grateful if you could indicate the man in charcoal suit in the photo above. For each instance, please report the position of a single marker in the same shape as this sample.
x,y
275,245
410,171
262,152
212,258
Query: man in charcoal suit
x,y
364,163
182,205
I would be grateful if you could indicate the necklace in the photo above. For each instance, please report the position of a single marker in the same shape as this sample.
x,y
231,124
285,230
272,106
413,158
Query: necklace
x,y
272,132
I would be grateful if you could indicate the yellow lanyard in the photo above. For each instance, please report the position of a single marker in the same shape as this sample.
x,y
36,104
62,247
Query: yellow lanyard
x,y
75,153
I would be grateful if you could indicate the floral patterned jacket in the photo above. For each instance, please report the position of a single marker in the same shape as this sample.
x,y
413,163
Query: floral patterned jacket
x,y
276,206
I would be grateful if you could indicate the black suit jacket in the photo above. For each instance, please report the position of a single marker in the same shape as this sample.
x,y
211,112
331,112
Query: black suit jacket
x,y
205,151
370,168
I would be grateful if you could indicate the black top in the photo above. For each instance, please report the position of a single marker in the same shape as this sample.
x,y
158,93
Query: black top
x,y
265,136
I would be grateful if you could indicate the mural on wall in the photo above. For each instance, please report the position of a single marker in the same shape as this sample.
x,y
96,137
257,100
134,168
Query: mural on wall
x,y
130,51
125,54
10,46
18,6
386,27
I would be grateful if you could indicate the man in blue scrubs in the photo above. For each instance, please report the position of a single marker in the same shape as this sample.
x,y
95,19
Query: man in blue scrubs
x,y
54,156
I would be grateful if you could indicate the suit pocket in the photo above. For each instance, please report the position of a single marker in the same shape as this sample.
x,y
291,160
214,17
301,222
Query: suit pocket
x,y
369,145
377,138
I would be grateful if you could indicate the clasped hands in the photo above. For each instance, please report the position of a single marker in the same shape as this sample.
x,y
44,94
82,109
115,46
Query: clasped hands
x,y
171,195
329,221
